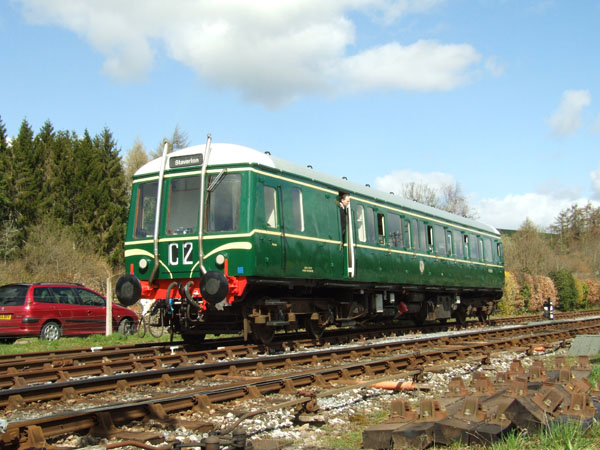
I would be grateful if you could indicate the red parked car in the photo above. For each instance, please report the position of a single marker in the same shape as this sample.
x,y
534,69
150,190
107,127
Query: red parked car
x,y
52,310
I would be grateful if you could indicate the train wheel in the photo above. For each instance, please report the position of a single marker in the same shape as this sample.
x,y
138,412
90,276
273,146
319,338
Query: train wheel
x,y
315,328
482,315
262,334
461,315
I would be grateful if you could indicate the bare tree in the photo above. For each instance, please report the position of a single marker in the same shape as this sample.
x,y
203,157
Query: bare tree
x,y
135,158
179,139
420,192
448,198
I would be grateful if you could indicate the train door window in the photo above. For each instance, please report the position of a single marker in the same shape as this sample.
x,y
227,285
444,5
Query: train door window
x,y
429,238
473,247
370,216
298,209
423,237
145,213
182,216
467,247
407,234
440,240
481,249
414,230
499,251
361,226
223,204
271,206
381,228
395,231
487,250
449,242
458,244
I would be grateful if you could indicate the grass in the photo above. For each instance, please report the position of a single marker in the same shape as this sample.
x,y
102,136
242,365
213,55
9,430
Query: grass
x,y
33,344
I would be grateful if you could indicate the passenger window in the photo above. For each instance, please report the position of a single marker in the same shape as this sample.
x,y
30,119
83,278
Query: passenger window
x,y
271,206
145,213
43,295
449,242
371,225
298,209
65,296
499,251
89,298
481,256
361,226
422,237
473,247
407,235
395,230
440,240
489,257
458,244
381,228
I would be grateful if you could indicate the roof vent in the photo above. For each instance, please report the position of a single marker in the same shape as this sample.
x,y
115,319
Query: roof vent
x,y
344,178
367,185
309,166
267,153
391,193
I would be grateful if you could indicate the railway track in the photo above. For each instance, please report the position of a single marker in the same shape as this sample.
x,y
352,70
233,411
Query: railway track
x,y
288,372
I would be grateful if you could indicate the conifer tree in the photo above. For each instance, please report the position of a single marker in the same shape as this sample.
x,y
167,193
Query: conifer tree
x,y
111,198
5,204
27,179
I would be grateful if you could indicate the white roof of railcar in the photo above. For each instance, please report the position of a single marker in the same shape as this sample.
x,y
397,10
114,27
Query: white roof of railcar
x,y
226,154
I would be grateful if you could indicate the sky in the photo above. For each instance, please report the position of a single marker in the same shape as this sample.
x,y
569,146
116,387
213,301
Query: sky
x,y
501,97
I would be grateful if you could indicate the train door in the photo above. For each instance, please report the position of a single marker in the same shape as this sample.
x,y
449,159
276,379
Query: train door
x,y
273,248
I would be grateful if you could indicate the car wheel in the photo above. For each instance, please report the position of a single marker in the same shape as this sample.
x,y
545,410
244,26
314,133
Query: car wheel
x,y
50,331
126,327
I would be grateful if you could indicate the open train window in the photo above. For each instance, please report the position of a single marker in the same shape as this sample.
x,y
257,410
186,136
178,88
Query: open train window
x,y
297,209
395,230
223,204
270,206
183,205
381,228
361,226
145,213
429,238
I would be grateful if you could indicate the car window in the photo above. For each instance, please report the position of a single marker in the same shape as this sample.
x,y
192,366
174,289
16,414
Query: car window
x,y
13,295
65,295
88,298
43,295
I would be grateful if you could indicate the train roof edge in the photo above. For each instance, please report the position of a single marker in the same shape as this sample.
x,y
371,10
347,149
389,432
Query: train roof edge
x,y
222,154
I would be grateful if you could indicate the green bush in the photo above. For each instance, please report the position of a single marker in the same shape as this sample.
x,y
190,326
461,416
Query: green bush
x,y
526,294
565,284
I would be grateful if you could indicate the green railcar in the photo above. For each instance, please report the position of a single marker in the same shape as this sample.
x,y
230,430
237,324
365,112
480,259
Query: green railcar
x,y
275,252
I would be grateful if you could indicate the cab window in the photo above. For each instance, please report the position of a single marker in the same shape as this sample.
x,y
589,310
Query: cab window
x,y
183,205
145,211
223,204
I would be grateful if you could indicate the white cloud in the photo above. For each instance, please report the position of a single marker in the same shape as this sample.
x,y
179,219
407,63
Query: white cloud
x,y
567,118
271,51
495,66
394,181
541,207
